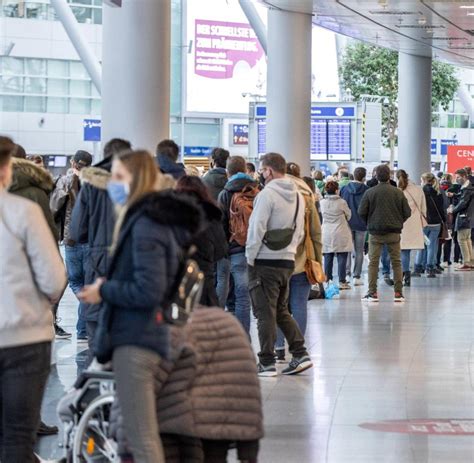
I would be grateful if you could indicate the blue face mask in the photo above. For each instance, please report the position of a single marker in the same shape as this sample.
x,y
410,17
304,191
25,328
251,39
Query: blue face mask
x,y
118,192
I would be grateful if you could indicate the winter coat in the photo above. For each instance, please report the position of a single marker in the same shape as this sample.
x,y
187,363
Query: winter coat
x,y
167,166
464,210
412,233
435,211
320,185
234,185
343,182
62,203
215,180
143,267
32,274
385,209
209,387
374,182
36,184
314,227
92,223
352,195
337,235
274,208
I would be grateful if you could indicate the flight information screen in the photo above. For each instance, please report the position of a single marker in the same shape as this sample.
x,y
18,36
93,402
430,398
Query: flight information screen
x,y
339,140
330,139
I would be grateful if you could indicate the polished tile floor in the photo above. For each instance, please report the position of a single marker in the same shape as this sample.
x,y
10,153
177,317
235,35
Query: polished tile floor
x,y
373,363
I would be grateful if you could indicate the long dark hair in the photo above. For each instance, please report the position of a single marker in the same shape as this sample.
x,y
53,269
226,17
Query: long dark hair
x,y
402,177
194,186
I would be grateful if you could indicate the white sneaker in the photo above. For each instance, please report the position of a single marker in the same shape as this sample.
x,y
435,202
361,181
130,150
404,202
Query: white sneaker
x,y
358,282
343,286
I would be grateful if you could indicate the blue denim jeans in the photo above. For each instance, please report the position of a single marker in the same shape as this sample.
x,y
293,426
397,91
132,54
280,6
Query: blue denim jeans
x,y
385,261
222,283
426,258
358,237
298,302
239,273
406,254
75,256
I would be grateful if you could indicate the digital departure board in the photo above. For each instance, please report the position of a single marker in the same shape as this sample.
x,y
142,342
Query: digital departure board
x,y
319,133
339,140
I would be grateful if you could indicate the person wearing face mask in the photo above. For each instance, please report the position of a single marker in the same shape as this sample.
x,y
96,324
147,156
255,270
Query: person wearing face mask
x,y
32,279
273,237
152,228
92,224
464,212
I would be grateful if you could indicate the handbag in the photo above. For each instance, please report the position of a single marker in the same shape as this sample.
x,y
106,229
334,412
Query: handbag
x,y
314,270
280,238
444,232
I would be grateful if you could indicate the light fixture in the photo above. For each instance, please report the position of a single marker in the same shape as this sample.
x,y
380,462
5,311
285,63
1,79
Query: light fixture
x,y
422,21
467,7
470,14
429,31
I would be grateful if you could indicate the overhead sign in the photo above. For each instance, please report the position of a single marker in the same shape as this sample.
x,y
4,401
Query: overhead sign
x,y
445,144
440,427
240,134
318,111
92,129
434,146
460,157
201,151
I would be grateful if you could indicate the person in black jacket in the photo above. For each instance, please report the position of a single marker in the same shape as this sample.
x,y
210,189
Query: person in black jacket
x,y
385,209
211,242
152,229
238,180
92,223
167,154
464,211
435,217
216,178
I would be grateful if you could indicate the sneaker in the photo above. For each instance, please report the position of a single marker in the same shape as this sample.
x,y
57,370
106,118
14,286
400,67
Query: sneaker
x,y
298,365
388,280
268,371
446,264
60,333
82,339
371,297
463,268
399,297
42,460
358,282
45,430
431,273
416,274
280,355
344,285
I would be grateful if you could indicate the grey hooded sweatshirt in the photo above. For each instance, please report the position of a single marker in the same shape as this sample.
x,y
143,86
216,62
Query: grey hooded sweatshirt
x,y
275,208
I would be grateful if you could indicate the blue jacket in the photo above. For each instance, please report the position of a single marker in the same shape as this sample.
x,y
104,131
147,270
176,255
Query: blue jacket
x,y
352,193
143,268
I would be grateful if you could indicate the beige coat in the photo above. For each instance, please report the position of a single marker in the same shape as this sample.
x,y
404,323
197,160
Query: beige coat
x,y
412,233
337,235
32,274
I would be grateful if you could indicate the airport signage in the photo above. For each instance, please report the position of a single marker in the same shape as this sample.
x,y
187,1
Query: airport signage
x,y
318,111
460,156
197,151
92,129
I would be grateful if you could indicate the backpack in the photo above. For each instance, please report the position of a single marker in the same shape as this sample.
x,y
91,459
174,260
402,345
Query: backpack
x,y
241,207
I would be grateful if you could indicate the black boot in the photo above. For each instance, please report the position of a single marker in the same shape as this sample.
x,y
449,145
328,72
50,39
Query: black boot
x,y
431,273
407,278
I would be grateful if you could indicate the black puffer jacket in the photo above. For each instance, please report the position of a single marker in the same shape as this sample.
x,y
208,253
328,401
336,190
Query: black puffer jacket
x,y
92,222
435,208
225,198
385,209
464,211
143,268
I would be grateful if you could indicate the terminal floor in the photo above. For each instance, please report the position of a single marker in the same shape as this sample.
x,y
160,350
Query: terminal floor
x,y
372,363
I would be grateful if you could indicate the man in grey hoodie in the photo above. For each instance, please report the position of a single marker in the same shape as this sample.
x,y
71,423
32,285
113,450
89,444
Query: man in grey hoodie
x,y
270,270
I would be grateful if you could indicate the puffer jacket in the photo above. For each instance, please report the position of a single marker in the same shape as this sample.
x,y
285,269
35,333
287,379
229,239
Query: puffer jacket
x,y
209,389
215,180
32,274
144,265
92,223
36,184
62,203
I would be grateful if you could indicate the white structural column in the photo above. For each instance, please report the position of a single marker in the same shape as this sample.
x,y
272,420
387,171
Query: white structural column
x,y
414,115
136,72
289,86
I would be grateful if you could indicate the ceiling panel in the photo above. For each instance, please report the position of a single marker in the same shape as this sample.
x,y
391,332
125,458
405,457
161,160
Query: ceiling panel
x,y
442,29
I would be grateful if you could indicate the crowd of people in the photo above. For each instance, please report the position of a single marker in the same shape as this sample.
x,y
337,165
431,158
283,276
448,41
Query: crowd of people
x,y
262,240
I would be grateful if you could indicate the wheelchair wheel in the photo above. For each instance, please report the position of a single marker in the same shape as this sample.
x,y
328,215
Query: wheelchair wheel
x,y
92,440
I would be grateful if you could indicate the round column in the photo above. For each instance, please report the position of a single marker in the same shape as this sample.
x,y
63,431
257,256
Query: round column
x,y
136,72
414,115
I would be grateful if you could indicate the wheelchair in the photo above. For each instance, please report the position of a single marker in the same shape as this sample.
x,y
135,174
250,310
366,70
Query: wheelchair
x,y
85,412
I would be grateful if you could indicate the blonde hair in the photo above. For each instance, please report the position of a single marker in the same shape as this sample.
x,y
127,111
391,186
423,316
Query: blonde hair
x,y
145,179
430,179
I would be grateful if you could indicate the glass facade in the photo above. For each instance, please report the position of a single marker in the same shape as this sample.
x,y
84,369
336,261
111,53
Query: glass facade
x,y
46,85
85,11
